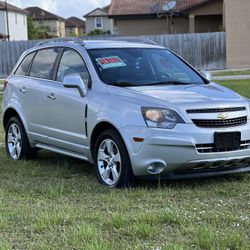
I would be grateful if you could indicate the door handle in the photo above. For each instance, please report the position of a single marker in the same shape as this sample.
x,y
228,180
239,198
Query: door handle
x,y
23,90
51,96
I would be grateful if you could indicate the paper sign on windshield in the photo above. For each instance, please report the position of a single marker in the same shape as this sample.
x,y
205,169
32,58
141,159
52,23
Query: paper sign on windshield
x,y
110,62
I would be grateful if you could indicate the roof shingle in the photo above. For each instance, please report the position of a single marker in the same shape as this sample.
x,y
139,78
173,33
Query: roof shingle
x,y
142,7
12,8
75,22
40,14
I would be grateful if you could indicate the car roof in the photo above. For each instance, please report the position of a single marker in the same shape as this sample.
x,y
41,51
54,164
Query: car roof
x,y
97,44
101,44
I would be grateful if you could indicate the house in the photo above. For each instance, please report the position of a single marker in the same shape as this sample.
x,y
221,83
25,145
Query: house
x,y
149,17
98,19
43,18
75,27
237,23
15,26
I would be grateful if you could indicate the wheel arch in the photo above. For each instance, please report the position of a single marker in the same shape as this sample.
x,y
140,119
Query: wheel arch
x,y
98,129
10,112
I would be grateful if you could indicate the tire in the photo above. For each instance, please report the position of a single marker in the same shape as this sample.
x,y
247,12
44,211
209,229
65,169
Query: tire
x,y
16,141
112,163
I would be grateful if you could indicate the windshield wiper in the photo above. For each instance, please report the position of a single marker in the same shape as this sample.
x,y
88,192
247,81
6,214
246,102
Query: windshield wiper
x,y
123,84
169,83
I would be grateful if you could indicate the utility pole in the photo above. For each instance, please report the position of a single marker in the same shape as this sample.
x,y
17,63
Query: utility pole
x,y
7,20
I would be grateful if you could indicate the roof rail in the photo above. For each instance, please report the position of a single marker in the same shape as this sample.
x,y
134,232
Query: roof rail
x,y
136,40
64,39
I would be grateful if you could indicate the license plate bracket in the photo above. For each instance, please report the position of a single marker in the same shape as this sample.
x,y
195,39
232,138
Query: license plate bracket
x,y
225,141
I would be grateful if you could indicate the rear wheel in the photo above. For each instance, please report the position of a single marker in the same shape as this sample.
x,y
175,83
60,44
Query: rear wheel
x,y
16,141
112,161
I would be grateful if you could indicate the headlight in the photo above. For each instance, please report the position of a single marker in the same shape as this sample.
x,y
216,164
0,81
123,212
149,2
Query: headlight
x,y
161,118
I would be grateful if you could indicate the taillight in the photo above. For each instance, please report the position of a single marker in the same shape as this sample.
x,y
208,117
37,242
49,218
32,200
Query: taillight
x,y
5,83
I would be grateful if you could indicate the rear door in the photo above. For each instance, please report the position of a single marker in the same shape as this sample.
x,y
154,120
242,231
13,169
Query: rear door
x,y
34,90
67,109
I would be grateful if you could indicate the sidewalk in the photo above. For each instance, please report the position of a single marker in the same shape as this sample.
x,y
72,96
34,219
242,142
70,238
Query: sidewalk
x,y
235,77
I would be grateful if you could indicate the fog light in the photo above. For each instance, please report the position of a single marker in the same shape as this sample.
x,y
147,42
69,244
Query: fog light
x,y
156,167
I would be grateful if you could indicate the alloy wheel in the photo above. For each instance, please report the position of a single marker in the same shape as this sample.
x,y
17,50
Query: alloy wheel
x,y
109,162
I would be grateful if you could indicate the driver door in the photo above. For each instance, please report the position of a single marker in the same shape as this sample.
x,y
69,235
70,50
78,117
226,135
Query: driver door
x,y
66,109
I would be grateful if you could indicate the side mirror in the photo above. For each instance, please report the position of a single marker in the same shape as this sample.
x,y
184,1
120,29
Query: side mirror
x,y
74,81
206,74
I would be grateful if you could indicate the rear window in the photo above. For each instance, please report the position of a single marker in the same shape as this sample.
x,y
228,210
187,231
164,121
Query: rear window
x,y
42,66
23,68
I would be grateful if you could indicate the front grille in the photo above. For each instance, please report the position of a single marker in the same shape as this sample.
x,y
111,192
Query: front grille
x,y
210,147
215,110
220,123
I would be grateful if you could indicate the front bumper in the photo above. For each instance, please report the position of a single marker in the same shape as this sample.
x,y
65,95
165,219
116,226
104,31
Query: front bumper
x,y
176,149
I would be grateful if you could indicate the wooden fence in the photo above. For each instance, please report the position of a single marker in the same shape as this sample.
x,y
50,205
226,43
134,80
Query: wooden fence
x,y
202,50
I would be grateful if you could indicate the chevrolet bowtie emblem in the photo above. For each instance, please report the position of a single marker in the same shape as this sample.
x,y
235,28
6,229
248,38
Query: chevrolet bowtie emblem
x,y
222,116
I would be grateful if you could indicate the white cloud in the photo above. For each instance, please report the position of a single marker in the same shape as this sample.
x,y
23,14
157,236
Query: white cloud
x,y
63,8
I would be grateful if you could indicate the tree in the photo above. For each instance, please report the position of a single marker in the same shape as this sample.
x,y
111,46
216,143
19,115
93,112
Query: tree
x,y
98,32
34,32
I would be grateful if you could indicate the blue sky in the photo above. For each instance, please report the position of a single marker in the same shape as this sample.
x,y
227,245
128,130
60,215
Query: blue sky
x,y
63,8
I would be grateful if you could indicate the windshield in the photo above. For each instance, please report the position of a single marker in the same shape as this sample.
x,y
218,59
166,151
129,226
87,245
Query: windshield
x,y
142,66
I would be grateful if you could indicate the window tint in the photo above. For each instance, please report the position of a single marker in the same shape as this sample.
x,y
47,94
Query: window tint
x,y
72,63
22,69
141,66
43,62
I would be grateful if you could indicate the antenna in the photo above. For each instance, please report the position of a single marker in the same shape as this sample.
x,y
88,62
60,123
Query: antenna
x,y
169,5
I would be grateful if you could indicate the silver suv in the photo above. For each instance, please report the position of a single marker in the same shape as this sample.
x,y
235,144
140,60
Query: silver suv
x,y
132,109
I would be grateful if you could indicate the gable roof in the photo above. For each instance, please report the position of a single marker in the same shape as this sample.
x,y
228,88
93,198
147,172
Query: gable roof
x,y
12,8
142,7
75,22
100,12
40,14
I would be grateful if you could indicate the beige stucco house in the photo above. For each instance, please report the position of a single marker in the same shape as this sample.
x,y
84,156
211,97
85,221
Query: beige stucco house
x,y
237,23
75,26
98,19
44,18
147,17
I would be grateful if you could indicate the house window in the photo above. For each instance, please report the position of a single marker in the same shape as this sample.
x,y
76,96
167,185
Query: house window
x,y
98,23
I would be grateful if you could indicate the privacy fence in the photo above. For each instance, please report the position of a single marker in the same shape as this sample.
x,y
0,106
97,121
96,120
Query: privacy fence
x,y
202,50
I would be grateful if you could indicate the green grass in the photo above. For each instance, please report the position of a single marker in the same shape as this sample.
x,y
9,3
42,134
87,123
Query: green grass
x,y
55,202
240,86
231,73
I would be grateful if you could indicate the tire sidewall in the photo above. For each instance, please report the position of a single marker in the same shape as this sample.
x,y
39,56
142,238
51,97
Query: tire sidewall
x,y
15,120
125,161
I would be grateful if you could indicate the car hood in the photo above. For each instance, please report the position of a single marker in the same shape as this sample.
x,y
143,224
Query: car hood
x,y
188,94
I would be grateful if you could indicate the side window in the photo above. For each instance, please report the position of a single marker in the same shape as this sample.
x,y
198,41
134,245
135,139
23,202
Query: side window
x,y
71,63
98,22
43,63
22,69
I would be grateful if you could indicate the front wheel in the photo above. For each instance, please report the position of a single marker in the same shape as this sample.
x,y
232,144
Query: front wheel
x,y
112,161
16,141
